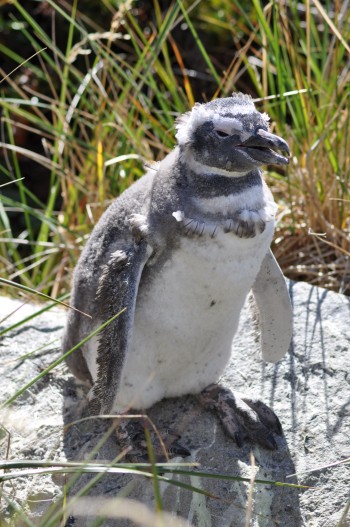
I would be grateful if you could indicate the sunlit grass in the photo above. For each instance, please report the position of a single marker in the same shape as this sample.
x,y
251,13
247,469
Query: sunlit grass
x,y
106,103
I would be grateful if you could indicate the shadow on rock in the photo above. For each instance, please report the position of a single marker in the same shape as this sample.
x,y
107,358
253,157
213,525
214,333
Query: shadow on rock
x,y
226,501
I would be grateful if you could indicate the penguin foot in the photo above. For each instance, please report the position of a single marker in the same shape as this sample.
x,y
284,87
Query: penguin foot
x,y
243,417
165,443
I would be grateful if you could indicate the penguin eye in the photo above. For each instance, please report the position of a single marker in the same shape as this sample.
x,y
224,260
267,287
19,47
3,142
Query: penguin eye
x,y
221,134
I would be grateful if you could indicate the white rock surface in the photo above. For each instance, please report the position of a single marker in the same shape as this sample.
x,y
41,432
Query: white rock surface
x,y
309,390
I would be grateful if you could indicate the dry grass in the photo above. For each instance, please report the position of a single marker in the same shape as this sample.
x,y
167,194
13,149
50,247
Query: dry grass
x,y
86,115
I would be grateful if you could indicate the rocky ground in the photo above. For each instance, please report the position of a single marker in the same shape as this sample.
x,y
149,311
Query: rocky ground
x,y
309,390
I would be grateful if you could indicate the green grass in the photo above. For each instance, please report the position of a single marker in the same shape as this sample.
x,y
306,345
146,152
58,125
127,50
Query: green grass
x,y
88,113
104,103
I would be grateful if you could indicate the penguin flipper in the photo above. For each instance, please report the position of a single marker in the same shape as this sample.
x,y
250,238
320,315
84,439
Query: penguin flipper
x,y
274,310
117,291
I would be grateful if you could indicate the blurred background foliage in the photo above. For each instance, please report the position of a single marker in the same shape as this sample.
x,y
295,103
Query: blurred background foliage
x,y
89,93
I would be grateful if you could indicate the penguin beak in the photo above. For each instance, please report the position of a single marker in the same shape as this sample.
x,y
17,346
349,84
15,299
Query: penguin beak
x,y
262,147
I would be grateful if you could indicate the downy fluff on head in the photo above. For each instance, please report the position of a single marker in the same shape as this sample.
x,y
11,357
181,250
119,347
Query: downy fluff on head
x,y
222,112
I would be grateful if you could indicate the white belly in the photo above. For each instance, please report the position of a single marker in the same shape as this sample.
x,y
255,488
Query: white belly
x,y
186,320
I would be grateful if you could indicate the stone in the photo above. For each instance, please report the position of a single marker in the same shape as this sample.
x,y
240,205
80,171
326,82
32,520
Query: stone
x,y
308,389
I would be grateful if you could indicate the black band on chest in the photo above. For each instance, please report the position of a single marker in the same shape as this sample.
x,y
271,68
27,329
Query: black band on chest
x,y
213,185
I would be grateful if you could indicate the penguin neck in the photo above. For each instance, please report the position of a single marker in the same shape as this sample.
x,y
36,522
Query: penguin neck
x,y
205,181
211,184
209,195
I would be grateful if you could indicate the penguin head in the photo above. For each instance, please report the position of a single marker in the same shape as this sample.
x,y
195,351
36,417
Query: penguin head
x,y
230,135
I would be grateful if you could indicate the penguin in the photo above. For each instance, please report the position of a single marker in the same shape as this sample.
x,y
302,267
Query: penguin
x,y
177,254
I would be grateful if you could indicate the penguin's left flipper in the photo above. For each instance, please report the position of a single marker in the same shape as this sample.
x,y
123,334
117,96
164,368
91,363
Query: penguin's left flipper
x,y
117,293
274,310
242,417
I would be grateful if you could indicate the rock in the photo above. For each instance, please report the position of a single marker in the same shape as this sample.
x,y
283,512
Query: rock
x,y
308,389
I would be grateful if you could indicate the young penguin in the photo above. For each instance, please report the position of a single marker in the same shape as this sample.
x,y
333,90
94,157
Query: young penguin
x,y
180,250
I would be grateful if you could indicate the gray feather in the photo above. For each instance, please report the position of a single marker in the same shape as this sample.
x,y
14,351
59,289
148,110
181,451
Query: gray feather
x,y
125,268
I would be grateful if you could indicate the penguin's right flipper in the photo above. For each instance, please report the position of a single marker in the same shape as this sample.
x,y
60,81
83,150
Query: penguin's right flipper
x,y
118,287
274,310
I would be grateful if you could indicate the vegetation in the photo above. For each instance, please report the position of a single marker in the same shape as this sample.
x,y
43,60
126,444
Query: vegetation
x,y
89,97
98,101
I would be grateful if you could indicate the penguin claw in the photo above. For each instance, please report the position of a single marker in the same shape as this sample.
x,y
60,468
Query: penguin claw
x,y
177,449
243,417
238,438
266,415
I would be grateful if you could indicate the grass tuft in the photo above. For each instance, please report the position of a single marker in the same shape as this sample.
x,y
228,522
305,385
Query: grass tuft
x,y
87,112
